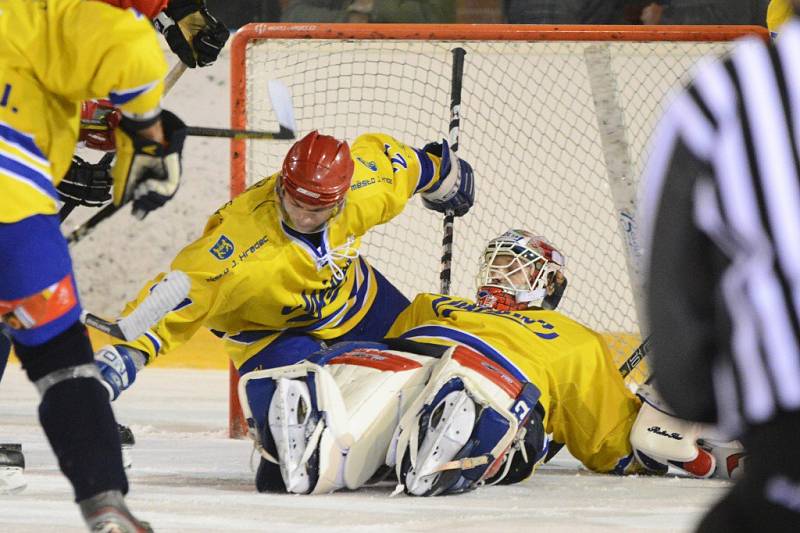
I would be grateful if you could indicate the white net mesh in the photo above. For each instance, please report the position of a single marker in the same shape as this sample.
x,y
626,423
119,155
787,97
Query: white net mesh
x,y
529,127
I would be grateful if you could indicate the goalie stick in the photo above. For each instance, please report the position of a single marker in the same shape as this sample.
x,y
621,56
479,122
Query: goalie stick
x,y
282,106
455,124
164,297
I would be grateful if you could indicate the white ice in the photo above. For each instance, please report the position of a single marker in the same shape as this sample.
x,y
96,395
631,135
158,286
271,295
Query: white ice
x,y
189,476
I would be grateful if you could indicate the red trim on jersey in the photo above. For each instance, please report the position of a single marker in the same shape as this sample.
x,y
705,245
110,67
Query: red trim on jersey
x,y
41,308
488,369
377,359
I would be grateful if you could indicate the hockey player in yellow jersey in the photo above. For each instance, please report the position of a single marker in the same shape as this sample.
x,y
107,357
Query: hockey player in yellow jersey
x,y
53,54
778,12
480,389
277,271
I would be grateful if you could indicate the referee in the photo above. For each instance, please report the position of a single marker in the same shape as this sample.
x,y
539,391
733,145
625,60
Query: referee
x,y
720,213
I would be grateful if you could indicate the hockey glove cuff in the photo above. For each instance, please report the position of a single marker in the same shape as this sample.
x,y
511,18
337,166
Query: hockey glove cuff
x,y
455,190
118,366
193,34
87,183
147,171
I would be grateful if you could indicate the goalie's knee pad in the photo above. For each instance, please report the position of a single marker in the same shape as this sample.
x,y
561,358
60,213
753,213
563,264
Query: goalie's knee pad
x,y
466,426
660,440
328,421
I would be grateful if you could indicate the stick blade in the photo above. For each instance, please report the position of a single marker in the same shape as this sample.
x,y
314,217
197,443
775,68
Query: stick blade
x,y
281,100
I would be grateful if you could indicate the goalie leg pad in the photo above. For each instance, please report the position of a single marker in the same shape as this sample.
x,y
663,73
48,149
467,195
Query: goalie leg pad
x,y
293,425
329,420
467,392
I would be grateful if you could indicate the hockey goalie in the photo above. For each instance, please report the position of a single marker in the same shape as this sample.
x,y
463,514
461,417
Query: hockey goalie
x,y
465,393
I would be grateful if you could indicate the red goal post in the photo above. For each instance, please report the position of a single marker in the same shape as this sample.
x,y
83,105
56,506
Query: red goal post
x,y
555,120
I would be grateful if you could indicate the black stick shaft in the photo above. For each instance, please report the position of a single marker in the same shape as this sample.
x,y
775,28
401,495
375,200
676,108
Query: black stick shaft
x,y
86,228
455,124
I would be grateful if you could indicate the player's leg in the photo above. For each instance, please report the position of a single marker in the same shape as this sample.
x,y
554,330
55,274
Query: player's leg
x,y
12,462
389,302
287,349
330,419
467,426
40,307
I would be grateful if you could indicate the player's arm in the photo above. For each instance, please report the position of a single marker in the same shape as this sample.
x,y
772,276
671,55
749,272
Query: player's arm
x,y
444,181
123,62
118,364
681,291
193,34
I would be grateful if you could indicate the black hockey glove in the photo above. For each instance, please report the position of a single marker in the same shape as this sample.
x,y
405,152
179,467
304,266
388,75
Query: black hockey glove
x,y
87,183
193,34
146,171
456,188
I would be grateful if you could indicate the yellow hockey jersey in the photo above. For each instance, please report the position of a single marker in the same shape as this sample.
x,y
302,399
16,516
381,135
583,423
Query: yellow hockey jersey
x,y
587,405
253,277
778,12
53,54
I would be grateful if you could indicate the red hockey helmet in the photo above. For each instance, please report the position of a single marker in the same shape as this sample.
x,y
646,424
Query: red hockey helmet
x,y
148,8
318,170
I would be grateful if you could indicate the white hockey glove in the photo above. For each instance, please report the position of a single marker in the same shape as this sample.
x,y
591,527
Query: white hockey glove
x,y
118,366
456,188
146,171
660,439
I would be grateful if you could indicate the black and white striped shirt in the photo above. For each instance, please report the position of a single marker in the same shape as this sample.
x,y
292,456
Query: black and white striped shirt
x,y
720,214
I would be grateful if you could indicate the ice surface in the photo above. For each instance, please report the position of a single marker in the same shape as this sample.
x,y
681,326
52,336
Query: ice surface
x,y
188,476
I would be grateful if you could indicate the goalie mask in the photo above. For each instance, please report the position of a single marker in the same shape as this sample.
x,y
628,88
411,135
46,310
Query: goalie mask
x,y
519,270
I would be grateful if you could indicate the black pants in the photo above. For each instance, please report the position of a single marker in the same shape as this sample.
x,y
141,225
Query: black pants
x,y
767,498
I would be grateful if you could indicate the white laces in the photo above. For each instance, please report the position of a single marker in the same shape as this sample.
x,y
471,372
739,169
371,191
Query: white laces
x,y
345,251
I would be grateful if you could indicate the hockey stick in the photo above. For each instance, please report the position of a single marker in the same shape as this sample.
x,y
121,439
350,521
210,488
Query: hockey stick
x,y
455,123
203,131
282,106
167,294
173,76
635,358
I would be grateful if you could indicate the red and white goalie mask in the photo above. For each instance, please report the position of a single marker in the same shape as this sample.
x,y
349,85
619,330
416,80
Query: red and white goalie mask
x,y
519,270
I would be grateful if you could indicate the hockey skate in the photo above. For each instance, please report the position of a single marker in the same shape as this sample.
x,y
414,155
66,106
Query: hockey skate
x,y
12,468
127,440
107,513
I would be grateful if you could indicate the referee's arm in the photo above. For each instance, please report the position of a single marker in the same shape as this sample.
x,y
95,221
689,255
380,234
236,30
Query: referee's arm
x,y
680,287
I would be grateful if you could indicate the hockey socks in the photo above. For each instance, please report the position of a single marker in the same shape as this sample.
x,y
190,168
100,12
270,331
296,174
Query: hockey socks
x,y
80,426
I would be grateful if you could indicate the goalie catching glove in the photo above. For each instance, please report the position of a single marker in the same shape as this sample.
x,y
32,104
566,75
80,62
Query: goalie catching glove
x,y
147,171
192,33
455,190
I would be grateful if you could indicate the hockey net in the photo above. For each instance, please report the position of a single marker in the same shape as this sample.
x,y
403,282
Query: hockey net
x,y
554,120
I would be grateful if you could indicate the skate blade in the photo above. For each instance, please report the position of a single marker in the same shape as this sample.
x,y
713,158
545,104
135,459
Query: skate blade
x,y
12,480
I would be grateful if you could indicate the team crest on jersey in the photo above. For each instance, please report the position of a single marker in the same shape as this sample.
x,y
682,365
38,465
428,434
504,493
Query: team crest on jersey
x,y
222,249
369,164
